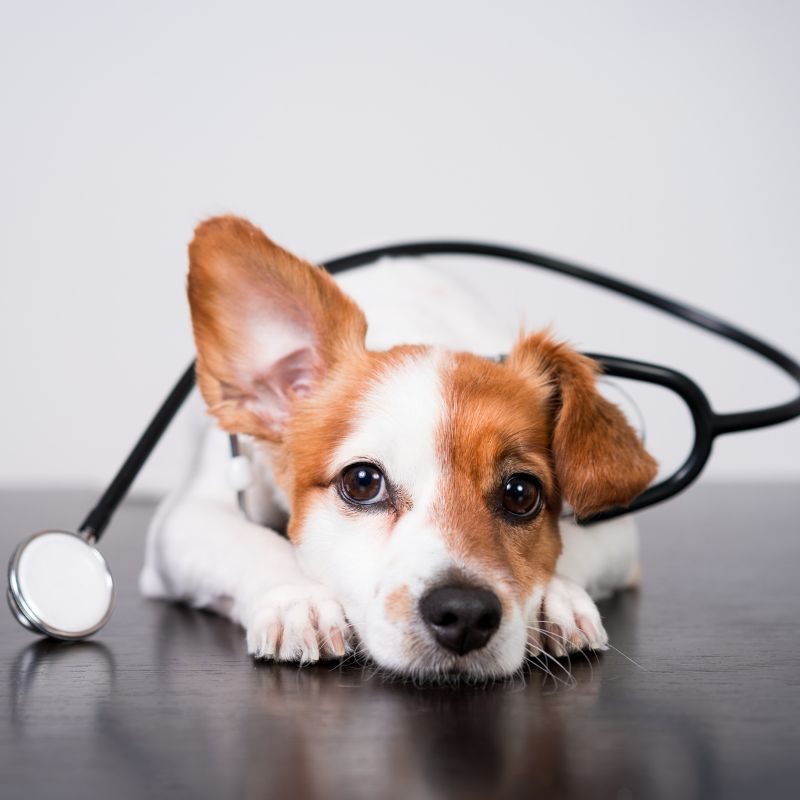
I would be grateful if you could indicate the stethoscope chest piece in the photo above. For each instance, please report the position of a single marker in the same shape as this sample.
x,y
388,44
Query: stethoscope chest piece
x,y
60,585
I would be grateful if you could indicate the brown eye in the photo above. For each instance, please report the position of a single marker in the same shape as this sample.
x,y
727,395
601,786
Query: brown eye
x,y
522,496
363,484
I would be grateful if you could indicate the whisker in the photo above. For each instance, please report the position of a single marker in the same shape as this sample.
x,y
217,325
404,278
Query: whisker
x,y
565,669
564,643
543,652
542,668
625,655
566,640
568,681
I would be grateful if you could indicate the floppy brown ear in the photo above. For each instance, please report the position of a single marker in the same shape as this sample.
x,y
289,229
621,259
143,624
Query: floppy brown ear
x,y
268,326
599,460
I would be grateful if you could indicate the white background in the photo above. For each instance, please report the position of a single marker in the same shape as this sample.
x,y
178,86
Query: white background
x,y
657,141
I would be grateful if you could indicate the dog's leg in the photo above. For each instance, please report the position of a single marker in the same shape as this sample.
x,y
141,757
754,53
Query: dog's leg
x,y
202,550
601,558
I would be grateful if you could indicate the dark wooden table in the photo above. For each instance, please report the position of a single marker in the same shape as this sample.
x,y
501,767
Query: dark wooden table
x,y
705,701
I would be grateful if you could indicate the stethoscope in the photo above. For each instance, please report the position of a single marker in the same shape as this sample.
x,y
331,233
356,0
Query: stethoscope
x,y
60,585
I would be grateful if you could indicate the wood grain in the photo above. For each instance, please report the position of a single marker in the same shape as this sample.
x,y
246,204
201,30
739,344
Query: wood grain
x,y
702,701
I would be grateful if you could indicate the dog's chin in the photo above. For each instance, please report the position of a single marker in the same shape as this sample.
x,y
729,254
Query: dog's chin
x,y
424,662
447,670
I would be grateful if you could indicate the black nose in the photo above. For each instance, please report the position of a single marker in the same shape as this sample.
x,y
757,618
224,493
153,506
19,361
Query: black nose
x,y
461,618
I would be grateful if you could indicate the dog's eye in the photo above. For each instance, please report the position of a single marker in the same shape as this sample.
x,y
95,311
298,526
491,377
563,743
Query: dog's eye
x,y
522,496
363,484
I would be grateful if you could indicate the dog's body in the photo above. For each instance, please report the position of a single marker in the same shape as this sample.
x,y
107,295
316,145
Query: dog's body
x,y
437,572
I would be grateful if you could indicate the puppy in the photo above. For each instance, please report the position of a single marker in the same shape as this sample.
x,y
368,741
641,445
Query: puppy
x,y
423,484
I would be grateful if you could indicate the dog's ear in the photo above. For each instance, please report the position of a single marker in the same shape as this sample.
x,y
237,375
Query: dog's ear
x,y
600,462
267,325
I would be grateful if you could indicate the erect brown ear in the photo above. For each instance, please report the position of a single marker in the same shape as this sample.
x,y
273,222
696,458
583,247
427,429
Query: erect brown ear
x,y
267,325
600,462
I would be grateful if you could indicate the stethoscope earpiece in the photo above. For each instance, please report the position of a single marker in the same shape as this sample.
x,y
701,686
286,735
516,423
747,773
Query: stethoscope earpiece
x,y
60,585
239,473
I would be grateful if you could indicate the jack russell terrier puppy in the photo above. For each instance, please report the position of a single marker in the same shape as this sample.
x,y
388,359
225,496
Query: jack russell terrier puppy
x,y
423,484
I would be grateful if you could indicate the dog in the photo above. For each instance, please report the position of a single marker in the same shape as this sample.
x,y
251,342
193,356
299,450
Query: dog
x,y
420,483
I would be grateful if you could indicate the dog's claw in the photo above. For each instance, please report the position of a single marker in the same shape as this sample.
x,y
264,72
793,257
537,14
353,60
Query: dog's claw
x,y
336,644
271,639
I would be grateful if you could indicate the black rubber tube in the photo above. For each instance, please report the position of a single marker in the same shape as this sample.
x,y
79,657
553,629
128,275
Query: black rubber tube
x,y
98,518
723,423
707,423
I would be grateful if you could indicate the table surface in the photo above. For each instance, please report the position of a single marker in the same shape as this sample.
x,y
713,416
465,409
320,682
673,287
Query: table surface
x,y
700,699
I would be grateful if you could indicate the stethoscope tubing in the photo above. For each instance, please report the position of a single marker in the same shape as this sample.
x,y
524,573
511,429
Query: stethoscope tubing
x,y
722,423
98,518
708,424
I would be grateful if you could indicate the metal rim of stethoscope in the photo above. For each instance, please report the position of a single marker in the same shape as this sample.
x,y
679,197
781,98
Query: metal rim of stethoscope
x,y
708,424
27,614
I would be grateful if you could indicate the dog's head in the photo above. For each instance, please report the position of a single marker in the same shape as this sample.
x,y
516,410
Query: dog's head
x,y
425,485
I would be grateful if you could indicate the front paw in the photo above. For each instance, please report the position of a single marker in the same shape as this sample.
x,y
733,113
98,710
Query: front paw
x,y
567,621
301,622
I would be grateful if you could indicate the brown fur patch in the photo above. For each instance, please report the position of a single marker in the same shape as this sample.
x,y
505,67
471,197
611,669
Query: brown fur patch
x,y
399,606
496,424
599,459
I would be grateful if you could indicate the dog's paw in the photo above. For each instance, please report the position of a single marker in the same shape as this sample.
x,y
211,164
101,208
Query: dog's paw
x,y
567,621
301,622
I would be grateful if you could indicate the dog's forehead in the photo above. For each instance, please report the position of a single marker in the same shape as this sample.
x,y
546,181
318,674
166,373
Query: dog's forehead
x,y
424,409
396,420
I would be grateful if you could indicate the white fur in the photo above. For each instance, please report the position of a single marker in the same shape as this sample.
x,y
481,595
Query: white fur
x,y
410,302
202,549
292,602
408,399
